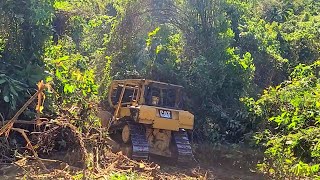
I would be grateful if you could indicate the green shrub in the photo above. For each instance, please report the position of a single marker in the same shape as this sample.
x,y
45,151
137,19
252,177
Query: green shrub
x,y
290,116
73,80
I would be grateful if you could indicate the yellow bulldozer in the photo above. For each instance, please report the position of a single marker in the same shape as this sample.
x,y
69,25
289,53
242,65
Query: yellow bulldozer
x,y
148,119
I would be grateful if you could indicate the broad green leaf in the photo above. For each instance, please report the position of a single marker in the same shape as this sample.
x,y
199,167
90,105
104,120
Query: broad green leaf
x,y
13,91
2,81
315,168
6,98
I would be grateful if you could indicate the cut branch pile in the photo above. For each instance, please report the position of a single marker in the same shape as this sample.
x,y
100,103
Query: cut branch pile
x,y
64,142
121,163
61,151
64,153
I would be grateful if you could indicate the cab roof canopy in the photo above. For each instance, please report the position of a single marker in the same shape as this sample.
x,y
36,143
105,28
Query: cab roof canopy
x,y
145,82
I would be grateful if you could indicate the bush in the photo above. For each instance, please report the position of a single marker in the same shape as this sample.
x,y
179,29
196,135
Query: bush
x,y
290,119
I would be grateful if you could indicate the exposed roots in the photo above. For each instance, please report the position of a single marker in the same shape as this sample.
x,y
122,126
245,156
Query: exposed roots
x,y
62,141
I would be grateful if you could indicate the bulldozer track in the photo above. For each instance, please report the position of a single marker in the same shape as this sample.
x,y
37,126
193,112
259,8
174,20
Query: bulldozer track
x,y
140,146
183,146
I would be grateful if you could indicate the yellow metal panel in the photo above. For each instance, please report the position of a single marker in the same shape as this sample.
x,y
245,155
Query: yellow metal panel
x,y
168,124
124,111
186,119
150,115
175,115
185,126
147,112
145,121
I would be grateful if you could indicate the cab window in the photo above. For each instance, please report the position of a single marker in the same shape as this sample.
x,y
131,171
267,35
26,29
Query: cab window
x,y
162,97
130,94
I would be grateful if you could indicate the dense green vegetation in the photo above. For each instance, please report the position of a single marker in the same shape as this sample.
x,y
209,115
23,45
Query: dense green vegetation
x,y
250,68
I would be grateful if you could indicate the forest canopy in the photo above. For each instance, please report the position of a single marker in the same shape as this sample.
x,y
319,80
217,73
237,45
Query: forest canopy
x,y
250,68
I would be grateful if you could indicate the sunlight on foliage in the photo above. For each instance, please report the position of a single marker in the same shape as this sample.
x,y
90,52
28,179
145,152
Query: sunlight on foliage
x,y
292,110
248,67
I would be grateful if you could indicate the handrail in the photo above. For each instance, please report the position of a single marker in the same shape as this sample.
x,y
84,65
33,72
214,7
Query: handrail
x,y
115,115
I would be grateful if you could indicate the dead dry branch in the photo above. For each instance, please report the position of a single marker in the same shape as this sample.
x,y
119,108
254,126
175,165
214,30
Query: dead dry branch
x,y
6,128
61,151
63,141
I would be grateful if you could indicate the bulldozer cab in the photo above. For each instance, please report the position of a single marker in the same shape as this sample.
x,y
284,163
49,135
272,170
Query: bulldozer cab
x,y
146,92
151,103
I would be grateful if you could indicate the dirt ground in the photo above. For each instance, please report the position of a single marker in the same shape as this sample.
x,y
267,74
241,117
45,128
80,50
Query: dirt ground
x,y
61,152
220,163
30,169
159,168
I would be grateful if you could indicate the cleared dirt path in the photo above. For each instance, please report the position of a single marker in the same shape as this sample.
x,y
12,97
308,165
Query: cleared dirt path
x,y
220,169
